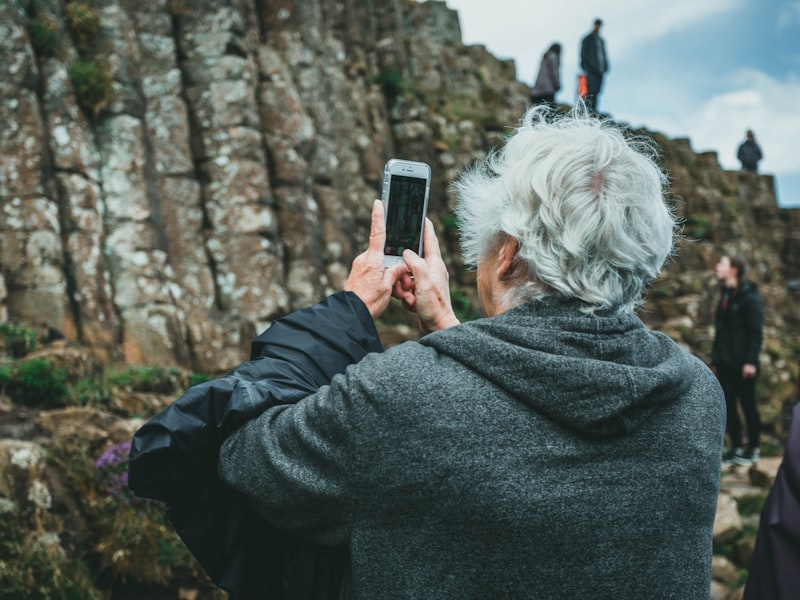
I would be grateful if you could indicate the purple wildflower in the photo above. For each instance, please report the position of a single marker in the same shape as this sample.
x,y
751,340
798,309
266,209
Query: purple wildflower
x,y
112,467
113,456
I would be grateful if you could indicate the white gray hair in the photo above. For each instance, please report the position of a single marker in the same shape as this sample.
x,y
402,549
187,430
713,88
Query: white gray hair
x,y
585,202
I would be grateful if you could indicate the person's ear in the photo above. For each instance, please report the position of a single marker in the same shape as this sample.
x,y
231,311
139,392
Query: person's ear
x,y
507,261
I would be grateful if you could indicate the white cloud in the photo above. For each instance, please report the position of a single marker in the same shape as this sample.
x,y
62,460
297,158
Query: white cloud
x,y
750,100
510,29
635,23
647,85
789,15
755,101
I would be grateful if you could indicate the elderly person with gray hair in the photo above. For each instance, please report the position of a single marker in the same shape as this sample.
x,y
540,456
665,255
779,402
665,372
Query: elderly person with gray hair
x,y
556,448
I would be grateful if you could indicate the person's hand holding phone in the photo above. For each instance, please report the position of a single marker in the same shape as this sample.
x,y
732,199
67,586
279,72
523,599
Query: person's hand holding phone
x,y
369,279
424,288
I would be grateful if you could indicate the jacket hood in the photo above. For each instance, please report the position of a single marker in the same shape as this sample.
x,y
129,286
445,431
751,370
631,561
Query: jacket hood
x,y
599,375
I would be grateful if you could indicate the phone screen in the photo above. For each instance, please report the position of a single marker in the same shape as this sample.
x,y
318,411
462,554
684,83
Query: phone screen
x,y
405,214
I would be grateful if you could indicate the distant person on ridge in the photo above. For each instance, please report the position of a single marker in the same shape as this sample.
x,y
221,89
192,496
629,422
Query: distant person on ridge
x,y
594,63
548,82
749,153
734,356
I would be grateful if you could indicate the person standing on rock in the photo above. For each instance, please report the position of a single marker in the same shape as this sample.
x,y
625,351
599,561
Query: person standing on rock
x,y
734,356
594,63
749,153
548,81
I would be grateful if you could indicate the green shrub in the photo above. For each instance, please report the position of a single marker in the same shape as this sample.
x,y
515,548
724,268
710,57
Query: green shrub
x,y
136,542
140,545
392,83
88,392
44,36
38,381
18,340
751,505
462,307
131,540
10,530
450,222
464,108
725,550
32,568
83,23
145,379
198,378
6,375
742,579
92,85
697,228
72,458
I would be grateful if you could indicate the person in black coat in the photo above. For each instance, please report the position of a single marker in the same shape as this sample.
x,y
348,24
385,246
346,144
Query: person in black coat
x,y
749,153
594,63
734,355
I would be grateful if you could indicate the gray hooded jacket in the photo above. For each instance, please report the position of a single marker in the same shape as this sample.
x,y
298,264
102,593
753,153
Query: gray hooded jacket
x,y
541,453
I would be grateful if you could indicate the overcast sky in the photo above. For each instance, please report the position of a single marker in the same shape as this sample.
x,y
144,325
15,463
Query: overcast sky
x,y
703,69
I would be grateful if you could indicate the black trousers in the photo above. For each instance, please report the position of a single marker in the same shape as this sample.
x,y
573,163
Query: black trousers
x,y
740,391
594,81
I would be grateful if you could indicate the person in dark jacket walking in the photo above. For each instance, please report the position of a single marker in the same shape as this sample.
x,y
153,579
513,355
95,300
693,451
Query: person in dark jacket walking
x,y
734,356
749,153
594,62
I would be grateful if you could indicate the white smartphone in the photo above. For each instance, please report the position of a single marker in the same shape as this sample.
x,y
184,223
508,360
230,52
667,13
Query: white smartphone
x,y
406,185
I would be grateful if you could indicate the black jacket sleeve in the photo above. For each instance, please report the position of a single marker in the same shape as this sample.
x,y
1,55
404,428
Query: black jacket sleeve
x,y
754,326
174,455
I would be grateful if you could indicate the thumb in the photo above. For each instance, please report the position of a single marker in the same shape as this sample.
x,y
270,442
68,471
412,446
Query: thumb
x,y
415,263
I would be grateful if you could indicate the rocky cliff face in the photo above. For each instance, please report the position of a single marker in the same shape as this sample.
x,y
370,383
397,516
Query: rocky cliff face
x,y
225,175
177,174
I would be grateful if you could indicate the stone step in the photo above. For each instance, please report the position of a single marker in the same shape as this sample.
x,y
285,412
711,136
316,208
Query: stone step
x,y
739,480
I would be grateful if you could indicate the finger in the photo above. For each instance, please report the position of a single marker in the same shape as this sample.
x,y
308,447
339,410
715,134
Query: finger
x,y
431,241
377,230
406,296
407,281
394,274
416,265
403,285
